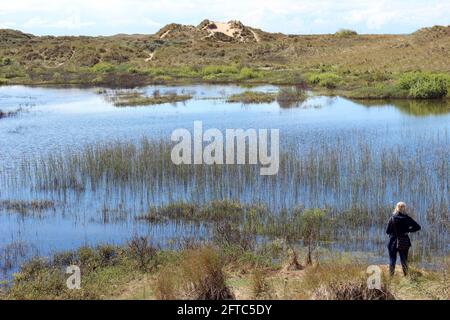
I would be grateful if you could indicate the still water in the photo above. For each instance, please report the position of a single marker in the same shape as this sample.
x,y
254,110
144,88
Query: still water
x,y
54,120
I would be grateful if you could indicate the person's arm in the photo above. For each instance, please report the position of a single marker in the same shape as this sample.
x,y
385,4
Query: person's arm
x,y
389,227
413,225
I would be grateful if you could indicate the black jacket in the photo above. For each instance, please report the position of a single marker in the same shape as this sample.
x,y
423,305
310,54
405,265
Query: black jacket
x,y
404,224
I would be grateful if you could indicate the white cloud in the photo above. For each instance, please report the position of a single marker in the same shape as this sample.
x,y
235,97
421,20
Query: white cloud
x,y
7,25
35,22
71,23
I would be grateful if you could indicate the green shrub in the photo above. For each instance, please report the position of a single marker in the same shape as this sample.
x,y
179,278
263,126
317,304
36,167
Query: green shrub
x,y
247,73
102,67
3,81
379,91
345,33
252,97
423,85
213,70
426,89
5,62
176,72
327,79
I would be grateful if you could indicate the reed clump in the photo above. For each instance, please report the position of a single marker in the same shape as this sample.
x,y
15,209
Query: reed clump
x,y
351,178
24,207
249,97
135,98
213,211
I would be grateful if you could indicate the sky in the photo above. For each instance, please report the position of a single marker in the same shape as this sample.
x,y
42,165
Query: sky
x,y
99,17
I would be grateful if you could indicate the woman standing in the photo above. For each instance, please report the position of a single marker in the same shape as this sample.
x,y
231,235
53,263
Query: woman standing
x,y
400,224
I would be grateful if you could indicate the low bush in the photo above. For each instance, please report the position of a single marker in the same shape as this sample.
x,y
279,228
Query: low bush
x,y
143,252
210,70
102,67
327,79
203,275
428,88
260,286
252,97
422,85
345,33
248,73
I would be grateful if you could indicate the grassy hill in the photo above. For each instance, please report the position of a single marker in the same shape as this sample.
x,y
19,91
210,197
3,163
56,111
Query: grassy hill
x,y
226,52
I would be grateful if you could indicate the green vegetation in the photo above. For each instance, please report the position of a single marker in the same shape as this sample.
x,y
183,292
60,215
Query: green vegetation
x,y
24,207
134,98
342,167
104,269
327,80
313,224
416,85
425,85
343,33
362,66
252,97
102,67
214,271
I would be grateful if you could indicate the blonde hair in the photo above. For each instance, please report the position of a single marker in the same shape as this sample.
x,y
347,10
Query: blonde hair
x,y
400,208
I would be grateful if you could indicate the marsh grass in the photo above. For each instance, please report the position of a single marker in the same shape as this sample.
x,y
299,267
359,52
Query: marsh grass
x,y
355,184
13,254
249,97
27,207
105,268
8,114
135,98
213,211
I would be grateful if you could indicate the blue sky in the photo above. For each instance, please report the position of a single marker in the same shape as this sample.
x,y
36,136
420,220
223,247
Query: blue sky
x,y
91,17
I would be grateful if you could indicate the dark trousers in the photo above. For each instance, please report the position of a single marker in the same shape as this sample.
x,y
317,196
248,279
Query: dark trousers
x,y
393,260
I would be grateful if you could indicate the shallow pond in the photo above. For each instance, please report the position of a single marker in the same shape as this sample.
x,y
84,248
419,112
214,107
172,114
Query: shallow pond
x,y
368,141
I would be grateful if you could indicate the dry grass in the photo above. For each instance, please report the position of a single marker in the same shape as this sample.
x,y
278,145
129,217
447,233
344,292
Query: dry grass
x,y
344,280
204,276
198,275
167,283
261,288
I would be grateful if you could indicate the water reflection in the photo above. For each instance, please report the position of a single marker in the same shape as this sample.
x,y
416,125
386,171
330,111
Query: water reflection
x,y
412,107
